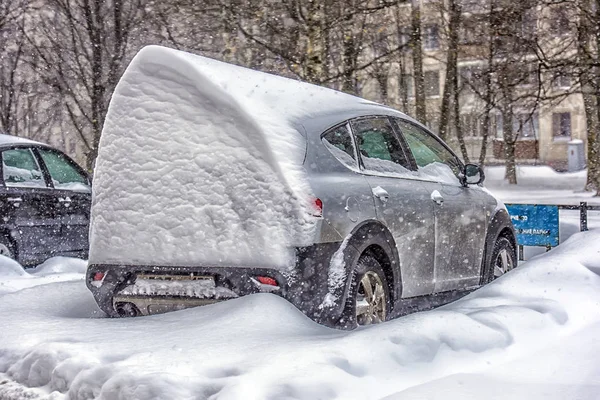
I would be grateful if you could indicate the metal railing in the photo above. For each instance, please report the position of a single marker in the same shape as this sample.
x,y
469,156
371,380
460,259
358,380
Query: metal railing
x,y
583,208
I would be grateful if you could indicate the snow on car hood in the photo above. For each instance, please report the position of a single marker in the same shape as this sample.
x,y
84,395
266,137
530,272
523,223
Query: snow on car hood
x,y
201,162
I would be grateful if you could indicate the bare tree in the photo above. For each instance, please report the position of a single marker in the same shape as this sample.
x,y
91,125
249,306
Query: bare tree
x,y
417,58
12,84
451,81
79,49
587,69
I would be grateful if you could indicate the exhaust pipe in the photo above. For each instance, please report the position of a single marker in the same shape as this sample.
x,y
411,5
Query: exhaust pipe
x,y
127,310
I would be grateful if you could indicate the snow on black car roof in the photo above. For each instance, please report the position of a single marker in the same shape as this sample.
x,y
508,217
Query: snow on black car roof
x,y
11,140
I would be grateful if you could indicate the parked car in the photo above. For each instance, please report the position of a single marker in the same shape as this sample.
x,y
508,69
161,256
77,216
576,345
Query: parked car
x,y
214,182
44,202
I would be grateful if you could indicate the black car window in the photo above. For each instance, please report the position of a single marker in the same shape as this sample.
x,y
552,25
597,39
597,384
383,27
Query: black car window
x,y
431,156
20,169
339,142
378,146
62,171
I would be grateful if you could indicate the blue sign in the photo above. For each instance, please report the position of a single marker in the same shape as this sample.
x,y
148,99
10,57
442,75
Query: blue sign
x,y
535,225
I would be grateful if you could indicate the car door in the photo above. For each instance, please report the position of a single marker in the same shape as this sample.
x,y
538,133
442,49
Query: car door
x,y
401,201
26,204
72,190
459,212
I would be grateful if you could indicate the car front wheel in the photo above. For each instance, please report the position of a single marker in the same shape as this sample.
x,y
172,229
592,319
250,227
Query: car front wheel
x,y
503,258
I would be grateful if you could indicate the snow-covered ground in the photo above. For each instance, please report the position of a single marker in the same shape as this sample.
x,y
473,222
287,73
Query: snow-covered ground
x,y
532,334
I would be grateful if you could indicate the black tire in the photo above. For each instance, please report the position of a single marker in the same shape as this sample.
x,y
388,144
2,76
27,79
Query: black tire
x,y
502,244
7,248
367,267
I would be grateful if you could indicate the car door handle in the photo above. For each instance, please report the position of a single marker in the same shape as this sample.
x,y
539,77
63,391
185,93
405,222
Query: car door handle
x,y
65,201
15,201
437,197
381,193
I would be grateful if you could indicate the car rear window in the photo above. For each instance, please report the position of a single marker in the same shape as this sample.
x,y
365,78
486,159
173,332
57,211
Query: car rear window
x,y
339,142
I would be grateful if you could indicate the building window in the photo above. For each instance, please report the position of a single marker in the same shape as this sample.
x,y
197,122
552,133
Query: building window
x,y
404,38
529,76
431,39
561,81
561,125
471,125
497,125
474,6
432,83
469,77
526,125
528,23
559,23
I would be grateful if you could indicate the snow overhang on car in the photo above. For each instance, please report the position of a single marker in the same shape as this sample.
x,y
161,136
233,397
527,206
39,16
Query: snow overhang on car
x,y
200,162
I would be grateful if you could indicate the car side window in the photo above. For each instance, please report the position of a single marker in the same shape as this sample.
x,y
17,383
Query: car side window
x,y
339,142
63,173
379,147
20,169
432,158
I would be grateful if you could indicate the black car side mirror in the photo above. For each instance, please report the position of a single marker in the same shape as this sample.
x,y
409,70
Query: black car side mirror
x,y
473,174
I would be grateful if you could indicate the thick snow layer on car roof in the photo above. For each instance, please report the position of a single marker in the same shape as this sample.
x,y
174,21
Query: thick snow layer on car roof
x,y
201,162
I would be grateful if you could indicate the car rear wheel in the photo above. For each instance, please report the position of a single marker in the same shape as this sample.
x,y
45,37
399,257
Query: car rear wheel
x,y
503,258
368,300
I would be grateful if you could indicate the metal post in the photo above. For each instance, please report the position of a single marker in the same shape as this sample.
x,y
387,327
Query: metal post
x,y
583,216
521,255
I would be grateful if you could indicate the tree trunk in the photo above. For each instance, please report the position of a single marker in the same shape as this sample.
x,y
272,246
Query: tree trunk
x,y
487,98
457,124
592,119
587,56
451,81
593,135
509,148
417,53
349,57
315,62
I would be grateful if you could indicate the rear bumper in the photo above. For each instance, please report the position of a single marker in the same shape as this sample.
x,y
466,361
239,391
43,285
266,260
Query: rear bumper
x,y
305,284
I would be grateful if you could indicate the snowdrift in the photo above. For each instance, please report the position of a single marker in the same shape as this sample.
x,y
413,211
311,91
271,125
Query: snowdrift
x,y
261,347
201,162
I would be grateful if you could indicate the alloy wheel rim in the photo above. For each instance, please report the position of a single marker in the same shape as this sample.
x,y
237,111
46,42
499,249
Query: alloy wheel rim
x,y
503,264
370,300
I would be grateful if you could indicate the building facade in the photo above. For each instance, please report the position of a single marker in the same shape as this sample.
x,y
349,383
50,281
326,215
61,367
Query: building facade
x,y
546,107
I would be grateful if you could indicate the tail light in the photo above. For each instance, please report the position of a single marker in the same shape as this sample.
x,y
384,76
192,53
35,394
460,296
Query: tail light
x,y
267,280
98,276
317,207
97,279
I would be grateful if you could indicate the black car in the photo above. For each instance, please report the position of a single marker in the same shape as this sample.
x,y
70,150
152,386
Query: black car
x,y
45,200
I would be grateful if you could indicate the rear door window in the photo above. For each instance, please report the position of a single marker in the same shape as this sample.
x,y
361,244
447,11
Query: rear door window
x,y
339,142
379,148
64,174
21,169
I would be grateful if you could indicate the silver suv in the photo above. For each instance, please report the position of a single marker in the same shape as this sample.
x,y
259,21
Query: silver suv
x,y
399,219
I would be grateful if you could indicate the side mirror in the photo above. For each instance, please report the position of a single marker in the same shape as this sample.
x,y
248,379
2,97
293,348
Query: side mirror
x,y
473,174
